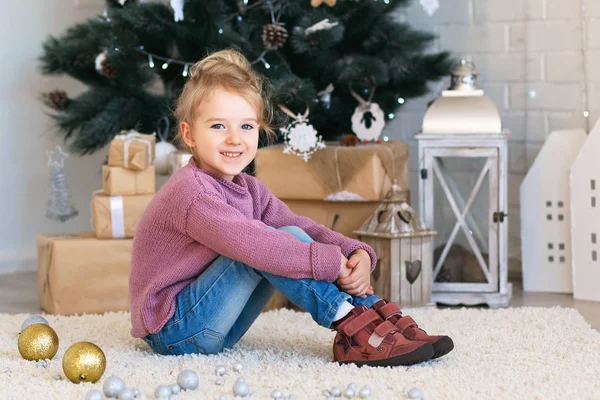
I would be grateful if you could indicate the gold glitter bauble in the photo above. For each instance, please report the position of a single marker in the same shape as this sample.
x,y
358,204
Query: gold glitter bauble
x,y
84,362
38,342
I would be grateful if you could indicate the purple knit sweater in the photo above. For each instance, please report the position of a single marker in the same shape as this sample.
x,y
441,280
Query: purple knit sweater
x,y
197,216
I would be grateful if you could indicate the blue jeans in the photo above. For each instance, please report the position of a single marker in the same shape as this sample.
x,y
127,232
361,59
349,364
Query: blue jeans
x,y
217,309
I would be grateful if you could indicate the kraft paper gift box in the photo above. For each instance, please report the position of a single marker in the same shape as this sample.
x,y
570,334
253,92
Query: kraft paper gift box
x,y
118,181
116,217
134,151
356,173
81,274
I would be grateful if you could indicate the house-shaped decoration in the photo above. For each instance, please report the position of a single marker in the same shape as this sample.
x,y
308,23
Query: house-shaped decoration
x,y
585,219
546,215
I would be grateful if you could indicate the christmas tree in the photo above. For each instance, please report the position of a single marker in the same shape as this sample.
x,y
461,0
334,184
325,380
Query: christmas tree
x,y
321,56
58,206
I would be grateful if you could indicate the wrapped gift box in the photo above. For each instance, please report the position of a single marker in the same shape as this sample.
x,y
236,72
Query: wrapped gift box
x,y
358,173
116,217
81,274
134,151
117,181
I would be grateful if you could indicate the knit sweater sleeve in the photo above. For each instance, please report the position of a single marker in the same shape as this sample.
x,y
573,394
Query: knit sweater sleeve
x,y
277,214
221,227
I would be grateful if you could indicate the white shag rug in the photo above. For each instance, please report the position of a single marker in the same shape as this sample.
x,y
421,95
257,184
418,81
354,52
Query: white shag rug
x,y
515,353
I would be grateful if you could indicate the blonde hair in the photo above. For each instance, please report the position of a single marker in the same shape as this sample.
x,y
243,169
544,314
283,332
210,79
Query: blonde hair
x,y
229,70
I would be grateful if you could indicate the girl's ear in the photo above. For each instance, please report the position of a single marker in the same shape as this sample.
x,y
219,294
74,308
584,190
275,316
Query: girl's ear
x,y
186,134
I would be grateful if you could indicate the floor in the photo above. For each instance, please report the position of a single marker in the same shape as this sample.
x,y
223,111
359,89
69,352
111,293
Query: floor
x,y
18,294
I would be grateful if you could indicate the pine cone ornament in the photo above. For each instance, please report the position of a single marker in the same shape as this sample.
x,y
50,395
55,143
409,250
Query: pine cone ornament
x,y
274,36
108,70
57,99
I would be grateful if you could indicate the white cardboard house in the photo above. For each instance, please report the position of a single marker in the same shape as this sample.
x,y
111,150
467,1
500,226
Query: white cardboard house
x,y
585,218
545,215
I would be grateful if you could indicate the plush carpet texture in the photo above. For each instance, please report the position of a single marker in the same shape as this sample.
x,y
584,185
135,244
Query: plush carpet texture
x,y
516,353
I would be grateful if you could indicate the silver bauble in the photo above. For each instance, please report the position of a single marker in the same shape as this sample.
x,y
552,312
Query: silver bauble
x,y
94,395
188,380
162,392
241,389
112,386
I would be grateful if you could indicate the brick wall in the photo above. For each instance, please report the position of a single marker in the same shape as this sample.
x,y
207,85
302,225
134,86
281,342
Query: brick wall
x,y
530,56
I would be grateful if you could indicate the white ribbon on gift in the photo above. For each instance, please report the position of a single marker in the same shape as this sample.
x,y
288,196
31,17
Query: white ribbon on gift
x,y
133,137
117,217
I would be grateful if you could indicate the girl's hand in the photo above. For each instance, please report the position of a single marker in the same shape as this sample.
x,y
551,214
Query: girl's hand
x,y
344,269
358,283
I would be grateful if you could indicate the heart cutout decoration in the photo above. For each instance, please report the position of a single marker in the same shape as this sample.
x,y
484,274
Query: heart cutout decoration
x,y
413,269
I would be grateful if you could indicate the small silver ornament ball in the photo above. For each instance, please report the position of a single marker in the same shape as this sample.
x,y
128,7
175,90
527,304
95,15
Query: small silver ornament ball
x,y
238,367
41,364
349,393
175,388
57,377
352,386
219,381
188,380
34,319
220,370
136,392
276,394
291,397
415,393
336,391
94,395
240,379
241,389
162,392
126,394
364,393
113,385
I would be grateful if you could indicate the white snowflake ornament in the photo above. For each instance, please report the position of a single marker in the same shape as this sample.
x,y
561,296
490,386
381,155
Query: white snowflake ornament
x,y
301,138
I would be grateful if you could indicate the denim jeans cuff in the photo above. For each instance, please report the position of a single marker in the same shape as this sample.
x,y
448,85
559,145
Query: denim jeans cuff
x,y
328,319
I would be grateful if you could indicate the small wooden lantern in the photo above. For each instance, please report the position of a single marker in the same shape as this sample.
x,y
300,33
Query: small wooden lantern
x,y
403,245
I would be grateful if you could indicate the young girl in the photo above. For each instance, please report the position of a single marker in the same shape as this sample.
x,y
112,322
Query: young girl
x,y
214,243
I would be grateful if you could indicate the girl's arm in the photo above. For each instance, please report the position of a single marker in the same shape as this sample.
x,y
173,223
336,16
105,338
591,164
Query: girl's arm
x,y
277,214
222,228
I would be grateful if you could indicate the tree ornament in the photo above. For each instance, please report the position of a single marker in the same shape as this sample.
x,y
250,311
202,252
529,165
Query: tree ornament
x,y
349,393
162,392
112,386
221,370
94,395
415,394
188,380
107,69
430,6
368,119
175,388
274,36
38,342
99,60
163,149
58,205
364,393
41,364
177,6
84,362
325,95
336,391
126,394
300,137
34,319
238,367
219,382
276,394
317,3
241,389
56,99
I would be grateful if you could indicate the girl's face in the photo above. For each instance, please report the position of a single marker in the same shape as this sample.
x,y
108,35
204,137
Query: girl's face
x,y
224,135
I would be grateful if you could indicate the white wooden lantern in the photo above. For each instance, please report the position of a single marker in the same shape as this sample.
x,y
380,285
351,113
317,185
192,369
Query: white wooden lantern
x,y
585,219
472,230
404,253
545,215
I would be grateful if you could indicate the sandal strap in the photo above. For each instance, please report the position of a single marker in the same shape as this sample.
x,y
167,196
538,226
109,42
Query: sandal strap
x,y
389,309
384,328
405,322
353,325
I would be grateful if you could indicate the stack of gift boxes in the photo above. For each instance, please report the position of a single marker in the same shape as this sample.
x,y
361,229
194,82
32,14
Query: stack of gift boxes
x,y
89,272
339,187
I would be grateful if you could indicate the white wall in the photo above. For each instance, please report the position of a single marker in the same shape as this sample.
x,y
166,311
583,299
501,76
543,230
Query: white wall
x,y
518,46
27,132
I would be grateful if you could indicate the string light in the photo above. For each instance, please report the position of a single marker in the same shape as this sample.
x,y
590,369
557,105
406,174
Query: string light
x,y
150,61
386,139
391,115
586,113
400,100
220,31
185,70
165,65
239,18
